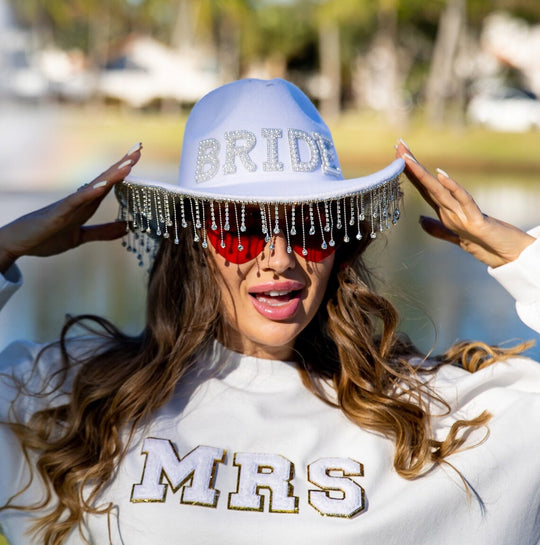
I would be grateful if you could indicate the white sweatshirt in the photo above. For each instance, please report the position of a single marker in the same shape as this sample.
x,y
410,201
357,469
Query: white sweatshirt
x,y
245,454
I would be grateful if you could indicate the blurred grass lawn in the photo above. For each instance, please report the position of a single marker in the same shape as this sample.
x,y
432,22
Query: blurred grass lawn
x,y
364,141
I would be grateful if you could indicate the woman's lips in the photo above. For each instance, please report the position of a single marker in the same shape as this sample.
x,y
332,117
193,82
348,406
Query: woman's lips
x,y
277,300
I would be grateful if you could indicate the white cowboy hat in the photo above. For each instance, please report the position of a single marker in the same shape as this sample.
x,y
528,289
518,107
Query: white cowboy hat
x,y
264,143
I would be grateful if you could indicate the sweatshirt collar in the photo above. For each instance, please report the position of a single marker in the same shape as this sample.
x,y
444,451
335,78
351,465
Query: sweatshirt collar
x,y
245,372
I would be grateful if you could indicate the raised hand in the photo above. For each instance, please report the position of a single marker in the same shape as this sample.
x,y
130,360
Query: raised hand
x,y
492,241
60,226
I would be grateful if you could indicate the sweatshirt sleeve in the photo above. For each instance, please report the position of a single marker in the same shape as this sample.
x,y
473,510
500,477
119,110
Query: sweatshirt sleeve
x,y
10,282
20,365
16,363
521,278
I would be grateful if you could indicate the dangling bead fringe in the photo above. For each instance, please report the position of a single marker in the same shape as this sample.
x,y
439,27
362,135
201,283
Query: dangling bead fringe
x,y
151,213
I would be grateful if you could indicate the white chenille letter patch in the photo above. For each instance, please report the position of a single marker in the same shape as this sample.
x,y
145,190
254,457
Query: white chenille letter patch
x,y
263,471
195,473
340,496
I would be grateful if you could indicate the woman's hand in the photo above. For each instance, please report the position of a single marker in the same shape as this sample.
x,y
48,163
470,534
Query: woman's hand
x,y
461,221
60,226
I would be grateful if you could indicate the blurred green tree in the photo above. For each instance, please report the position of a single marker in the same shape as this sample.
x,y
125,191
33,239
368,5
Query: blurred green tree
x,y
444,82
410,44
219,24
333,19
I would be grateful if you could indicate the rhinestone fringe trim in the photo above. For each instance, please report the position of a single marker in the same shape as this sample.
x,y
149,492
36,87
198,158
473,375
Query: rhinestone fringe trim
x,y
152,213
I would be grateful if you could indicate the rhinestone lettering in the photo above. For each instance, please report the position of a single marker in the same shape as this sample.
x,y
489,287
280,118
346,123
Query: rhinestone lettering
x,y
234,150
272,163
207,160
314,160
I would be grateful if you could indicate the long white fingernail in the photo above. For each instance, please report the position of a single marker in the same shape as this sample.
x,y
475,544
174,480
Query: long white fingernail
x,y
134,148
441,171
405,144
124,164
100,184
409,156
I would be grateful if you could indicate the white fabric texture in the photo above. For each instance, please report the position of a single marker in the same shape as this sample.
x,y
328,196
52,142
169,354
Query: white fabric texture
x,y
9,284
258,140
243,453
521,278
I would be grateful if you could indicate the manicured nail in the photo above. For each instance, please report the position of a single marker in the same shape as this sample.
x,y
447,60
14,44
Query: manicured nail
x,y
103,183
441,171
134,148
405,144
124,164
409,156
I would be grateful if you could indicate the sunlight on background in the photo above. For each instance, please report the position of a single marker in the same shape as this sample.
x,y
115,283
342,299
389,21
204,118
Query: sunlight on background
x,y
78,87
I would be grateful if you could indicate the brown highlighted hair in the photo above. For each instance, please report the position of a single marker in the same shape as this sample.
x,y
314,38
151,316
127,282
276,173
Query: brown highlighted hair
x,y
352,342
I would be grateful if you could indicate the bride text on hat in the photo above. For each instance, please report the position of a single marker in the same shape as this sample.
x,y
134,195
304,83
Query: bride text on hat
x,y
307,152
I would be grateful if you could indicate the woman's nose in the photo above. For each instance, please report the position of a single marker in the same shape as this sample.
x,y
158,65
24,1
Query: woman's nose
x,y
276,256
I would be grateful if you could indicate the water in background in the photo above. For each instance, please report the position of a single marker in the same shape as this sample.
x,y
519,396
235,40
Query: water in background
x,y
442,293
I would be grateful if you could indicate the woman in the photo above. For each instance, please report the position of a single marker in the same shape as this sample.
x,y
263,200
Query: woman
x,y
269,397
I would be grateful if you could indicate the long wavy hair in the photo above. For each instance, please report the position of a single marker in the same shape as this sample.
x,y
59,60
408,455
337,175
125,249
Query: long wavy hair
x,y
75,447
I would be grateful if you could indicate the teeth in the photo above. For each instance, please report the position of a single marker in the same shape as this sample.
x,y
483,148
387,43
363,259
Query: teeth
x,y
276,293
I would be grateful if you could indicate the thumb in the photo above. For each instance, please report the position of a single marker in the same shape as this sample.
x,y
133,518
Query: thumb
x,y
105,231
436,229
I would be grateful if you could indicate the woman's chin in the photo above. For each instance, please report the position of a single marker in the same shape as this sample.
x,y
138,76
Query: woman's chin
x,y
275,341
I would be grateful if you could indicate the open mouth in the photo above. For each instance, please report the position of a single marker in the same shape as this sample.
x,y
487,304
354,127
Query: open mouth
x,y
276,298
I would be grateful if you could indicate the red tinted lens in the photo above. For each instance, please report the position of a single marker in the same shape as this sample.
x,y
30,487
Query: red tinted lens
x,y
313,246
228,246
314,252
251,242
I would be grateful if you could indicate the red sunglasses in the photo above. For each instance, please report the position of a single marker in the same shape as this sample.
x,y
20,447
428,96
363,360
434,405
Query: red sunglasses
x,y
244,240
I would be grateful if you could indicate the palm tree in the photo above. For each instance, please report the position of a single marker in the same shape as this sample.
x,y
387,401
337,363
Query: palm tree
x,y
220,24
443,80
